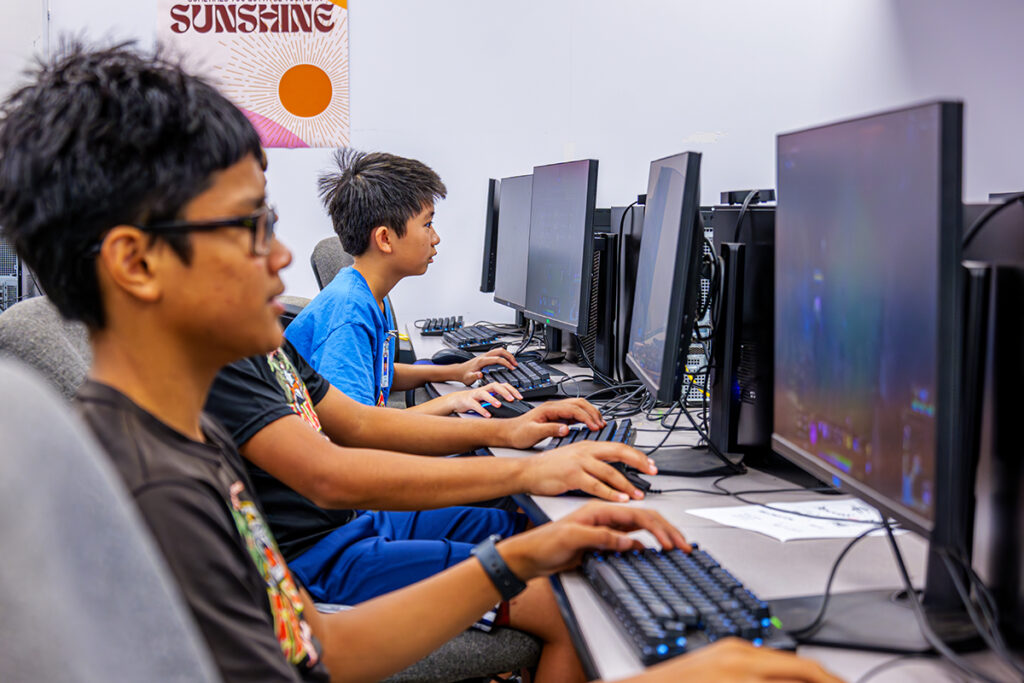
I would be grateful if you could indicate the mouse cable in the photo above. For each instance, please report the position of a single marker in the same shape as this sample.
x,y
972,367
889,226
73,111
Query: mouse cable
x,y
804,633
922,620
981,220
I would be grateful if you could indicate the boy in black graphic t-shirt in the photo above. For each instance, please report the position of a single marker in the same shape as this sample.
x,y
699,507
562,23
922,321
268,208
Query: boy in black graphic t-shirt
x,y
136,194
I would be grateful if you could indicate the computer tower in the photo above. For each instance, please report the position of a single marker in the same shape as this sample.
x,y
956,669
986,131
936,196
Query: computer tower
x,y
599,344
628,224
10,275
999,515
744,343
490,260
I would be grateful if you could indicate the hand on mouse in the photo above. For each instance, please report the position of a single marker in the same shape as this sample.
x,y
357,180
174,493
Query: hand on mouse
x,y
584,466
471,399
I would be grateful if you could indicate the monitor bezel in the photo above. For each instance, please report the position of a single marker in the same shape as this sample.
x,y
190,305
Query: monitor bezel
x,y
682,299
948,353
584,324
497,299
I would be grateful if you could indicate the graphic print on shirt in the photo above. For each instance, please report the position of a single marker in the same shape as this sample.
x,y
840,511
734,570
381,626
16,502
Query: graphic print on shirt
x,y
295,392
292,631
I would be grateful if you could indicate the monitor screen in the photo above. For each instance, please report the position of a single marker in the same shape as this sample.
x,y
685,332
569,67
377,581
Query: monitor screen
x,y
665,296
866,259
513,241
562,245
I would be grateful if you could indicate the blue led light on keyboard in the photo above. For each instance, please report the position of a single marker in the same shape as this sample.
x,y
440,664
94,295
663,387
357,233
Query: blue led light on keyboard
x,y
758,642
662,649
680,642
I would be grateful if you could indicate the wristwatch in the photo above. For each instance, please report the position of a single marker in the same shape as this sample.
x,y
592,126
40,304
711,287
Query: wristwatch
x,y
507,583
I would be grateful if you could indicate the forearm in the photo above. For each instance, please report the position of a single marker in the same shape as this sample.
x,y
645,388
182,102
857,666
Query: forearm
x,y
389,633
412,376
409,432
380,480
435,406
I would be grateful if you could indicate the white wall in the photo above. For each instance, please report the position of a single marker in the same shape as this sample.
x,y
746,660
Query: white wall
x,y
478,88
22,35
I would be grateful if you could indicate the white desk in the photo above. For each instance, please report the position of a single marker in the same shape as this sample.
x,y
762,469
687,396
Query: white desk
x,y
771,569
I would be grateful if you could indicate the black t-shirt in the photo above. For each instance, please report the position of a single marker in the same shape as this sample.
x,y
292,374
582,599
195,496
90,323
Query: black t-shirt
x,y
195,499
246,397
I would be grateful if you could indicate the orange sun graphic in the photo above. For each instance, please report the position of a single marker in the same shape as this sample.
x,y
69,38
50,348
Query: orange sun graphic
x,y
294,84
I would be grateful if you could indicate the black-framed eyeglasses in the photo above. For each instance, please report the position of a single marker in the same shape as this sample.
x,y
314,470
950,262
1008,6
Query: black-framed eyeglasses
x,y
260,224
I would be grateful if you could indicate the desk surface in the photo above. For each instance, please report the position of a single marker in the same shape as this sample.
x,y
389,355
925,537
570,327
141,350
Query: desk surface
x,y
770,568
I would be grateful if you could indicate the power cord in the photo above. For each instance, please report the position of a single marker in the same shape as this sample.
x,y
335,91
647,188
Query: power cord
x,y
984,218
922,619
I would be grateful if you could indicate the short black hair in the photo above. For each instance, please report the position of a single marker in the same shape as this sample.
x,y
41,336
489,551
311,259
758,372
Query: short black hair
x,y
373,189
100,138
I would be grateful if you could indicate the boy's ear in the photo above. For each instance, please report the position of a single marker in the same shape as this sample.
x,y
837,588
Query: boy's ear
x,y
127,261
382,238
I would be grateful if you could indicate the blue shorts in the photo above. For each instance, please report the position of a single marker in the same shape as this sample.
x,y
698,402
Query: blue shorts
x,y
381,551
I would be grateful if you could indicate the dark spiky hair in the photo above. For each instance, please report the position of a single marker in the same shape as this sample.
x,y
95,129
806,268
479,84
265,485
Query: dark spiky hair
x,y
369,190
106,137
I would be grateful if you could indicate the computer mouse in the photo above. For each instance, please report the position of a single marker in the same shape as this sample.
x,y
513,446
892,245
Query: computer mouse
x,y
447,356
632,476
508,408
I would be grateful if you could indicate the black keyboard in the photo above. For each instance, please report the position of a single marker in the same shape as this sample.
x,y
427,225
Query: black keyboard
x,y
472,338
672,602
531,378
435,327
615,430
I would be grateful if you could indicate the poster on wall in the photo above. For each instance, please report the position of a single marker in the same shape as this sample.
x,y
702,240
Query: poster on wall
x,y
282,62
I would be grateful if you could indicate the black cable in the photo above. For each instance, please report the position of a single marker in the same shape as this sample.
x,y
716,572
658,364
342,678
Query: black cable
x,y
667,434
598,375
810,629
922,619
981,220
987,628
751,196
899,660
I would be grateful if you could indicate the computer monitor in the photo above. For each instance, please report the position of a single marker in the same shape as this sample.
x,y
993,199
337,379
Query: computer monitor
x,y
490,237
513,241
667,289
869,333
560,273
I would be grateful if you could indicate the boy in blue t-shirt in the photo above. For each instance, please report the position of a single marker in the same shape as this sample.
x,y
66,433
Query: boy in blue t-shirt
x,y
382,207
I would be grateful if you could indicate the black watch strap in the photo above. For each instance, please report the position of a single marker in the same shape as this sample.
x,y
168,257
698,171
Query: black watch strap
x,y
507,583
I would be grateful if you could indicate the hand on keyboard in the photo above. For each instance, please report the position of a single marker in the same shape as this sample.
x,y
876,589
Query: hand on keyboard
x,y
584,467
469,372
550,419
557,546
733,660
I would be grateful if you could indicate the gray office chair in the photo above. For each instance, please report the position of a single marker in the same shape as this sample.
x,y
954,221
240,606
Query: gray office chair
x,y
84,592
327,259
35,333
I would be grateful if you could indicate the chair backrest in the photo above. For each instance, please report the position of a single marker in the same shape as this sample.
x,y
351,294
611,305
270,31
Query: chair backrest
x,y
327,259
84,593
35,333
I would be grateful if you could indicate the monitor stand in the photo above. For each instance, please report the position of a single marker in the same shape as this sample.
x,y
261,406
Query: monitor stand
x,y
687,461
878,620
